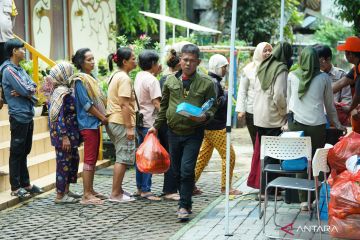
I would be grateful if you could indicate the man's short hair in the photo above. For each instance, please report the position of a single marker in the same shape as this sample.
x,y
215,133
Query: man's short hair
x,y
192,49
147,59
12,44
323,51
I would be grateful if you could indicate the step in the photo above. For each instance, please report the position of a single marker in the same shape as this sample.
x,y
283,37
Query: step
x,y
4,113
39,166
46,182
40,126
41,144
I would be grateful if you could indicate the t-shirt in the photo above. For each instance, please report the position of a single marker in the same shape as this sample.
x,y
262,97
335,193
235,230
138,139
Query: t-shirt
x,y
120,86
355,76
147,88
6,20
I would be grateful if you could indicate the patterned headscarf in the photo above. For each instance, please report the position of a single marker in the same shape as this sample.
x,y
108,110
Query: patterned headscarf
x,y
60,75
92,88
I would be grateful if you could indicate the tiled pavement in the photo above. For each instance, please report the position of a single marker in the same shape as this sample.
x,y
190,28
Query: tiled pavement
x,y
40,218
244,222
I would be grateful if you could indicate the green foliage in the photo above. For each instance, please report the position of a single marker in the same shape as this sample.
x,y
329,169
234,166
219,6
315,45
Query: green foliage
x,y
330,33
350,11
258,21
130,22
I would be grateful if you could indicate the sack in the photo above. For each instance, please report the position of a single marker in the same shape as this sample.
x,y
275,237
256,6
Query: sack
x,y
294,165
139,119
345,148
151,157
347,228
344,195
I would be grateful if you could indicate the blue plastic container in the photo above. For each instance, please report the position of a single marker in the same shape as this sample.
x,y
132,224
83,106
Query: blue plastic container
x,y
188,110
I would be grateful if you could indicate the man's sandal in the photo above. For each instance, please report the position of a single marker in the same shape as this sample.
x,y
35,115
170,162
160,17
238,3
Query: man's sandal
x,y
20,193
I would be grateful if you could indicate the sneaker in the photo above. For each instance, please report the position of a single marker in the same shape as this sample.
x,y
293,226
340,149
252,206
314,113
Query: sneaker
x,y
183,214
34,190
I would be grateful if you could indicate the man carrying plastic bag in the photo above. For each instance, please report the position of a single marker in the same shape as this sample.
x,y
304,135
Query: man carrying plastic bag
x,y
185,133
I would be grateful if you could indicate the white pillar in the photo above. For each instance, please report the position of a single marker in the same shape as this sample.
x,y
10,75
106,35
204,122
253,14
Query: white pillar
x,y
173,33
162,30
282,20
229,111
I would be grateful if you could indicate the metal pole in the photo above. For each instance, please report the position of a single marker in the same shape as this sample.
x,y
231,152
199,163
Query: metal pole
x,y
229,108
65,29
187,32
162,29
173,33
27,27
282,20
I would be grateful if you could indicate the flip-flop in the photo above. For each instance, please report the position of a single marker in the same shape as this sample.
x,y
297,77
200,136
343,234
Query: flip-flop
x,y
124,198
148,197
20,193
92,201
171,197
196,191
235,192
66,199
101,196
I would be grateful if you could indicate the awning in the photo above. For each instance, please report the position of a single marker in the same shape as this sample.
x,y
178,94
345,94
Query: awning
x,y
179,22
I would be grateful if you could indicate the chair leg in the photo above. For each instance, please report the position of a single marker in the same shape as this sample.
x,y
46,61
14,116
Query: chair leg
x,y
275,210
326,191
265,203
260,208
318,211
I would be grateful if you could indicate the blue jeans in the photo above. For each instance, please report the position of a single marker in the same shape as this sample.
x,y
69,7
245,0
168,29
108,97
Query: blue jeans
x,y
184,150
143,180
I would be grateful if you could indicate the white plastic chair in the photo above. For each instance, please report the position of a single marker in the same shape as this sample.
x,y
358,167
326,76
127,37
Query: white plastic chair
x,y
282,148
319,165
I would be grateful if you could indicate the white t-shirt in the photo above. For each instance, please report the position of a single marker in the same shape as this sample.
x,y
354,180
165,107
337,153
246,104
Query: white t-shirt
x,y
6,21
147,88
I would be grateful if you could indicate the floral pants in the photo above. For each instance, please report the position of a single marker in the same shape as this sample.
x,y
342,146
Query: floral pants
x,y
67,165
215,139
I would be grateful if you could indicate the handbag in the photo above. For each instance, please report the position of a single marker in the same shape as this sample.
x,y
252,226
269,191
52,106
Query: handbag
x,y
139,117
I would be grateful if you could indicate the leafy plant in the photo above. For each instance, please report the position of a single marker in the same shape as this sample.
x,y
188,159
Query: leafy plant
x,y
350,11
330,33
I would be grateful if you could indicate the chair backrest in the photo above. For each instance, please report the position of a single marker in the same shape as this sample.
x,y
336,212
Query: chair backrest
x,y
319,163
285,148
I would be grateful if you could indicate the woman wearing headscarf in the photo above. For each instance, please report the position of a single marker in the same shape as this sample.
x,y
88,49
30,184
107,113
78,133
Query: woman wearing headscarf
x,y
309,90
270,107
245,98
215,130
91,113
64,131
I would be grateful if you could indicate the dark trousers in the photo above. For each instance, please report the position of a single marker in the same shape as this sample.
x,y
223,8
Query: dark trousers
x,y
2,53
249,117
20,147
318,139
268,160
170,185
184,150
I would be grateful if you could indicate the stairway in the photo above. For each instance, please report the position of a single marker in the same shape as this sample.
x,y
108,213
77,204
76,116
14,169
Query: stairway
x,y
41,160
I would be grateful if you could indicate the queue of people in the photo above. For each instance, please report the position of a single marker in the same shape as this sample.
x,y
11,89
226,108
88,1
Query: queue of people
x,y
271,98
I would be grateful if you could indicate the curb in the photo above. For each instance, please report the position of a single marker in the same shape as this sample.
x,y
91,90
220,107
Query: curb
x,y
198,217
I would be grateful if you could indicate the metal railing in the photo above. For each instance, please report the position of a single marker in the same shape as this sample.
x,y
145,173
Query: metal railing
x,y
36,55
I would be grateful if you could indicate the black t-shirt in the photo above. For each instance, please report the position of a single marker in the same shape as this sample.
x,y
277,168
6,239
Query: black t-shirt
x,y
351,74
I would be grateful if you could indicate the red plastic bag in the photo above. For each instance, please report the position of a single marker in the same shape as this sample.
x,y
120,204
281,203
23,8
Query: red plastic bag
x,y
345,148
342,115
348,228
345,195
151,157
